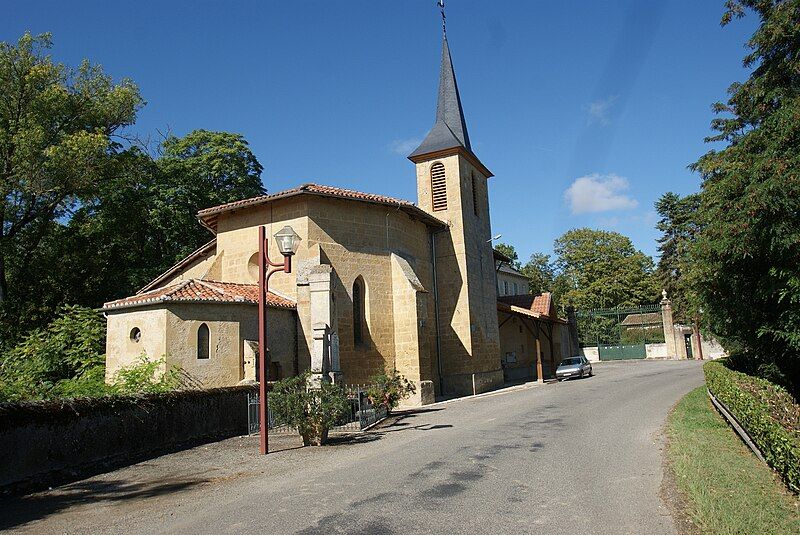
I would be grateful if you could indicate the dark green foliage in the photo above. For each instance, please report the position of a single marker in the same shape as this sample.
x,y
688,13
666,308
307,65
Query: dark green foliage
x,y
312,411
70,348
768,412
58,128
88,216
389,390
510,252
602,269
541,274
678,225
746,260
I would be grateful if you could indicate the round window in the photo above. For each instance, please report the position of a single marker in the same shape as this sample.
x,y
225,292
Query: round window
x,y
136,334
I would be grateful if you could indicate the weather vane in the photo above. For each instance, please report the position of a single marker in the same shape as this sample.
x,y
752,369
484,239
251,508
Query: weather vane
x,y
440,3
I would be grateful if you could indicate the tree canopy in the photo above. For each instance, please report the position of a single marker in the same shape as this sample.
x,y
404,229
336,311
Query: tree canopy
x,y
87,214
678,225
747,257
600,269
57,140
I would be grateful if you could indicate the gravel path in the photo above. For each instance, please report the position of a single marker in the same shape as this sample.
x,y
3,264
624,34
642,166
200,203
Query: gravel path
x,y
582,456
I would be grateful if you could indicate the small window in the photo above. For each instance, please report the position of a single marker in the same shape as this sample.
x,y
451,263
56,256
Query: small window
x,y
438,187
474,194
505,287
358,311
203,342
516,289
136,334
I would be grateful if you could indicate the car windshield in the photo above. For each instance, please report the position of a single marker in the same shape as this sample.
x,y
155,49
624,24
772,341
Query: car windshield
x,y
571,361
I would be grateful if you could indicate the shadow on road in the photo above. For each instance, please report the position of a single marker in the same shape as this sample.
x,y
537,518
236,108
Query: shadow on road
x,y
20,510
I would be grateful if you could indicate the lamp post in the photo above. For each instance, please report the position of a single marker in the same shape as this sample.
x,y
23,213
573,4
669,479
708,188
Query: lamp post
x,y
288,241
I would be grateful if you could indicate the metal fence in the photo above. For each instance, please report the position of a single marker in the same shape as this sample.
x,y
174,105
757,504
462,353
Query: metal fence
x,y
361,413
621,333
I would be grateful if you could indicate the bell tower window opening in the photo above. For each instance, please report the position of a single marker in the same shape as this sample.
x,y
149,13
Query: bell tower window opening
x,y
474,194
438,187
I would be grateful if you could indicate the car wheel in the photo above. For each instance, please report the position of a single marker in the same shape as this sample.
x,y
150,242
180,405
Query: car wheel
x,y
591,372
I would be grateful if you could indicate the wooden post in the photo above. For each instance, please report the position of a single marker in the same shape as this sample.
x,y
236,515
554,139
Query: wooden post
x,y
539,373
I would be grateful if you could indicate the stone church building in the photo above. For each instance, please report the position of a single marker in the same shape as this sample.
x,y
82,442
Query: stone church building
x,y
378,283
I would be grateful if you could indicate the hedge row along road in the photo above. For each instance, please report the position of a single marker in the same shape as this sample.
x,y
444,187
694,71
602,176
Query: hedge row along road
x,y
766,412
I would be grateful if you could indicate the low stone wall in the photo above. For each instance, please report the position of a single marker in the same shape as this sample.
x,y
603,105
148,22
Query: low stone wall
x,y
46,443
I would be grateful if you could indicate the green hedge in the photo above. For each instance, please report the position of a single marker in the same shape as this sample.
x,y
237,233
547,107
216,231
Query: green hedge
x,y
779,445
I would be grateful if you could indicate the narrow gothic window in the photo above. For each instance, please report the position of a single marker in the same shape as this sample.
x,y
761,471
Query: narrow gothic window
x,y
203,342
438,187
474,194
358,311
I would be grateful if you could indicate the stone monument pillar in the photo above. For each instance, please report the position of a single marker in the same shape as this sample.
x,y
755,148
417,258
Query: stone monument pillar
x,y
669,326
325,347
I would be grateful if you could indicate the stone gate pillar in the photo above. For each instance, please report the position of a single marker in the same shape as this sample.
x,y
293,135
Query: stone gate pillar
x,y
669,326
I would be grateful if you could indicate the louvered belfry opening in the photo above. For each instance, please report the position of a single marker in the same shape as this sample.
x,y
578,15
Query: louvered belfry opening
x,y
438,187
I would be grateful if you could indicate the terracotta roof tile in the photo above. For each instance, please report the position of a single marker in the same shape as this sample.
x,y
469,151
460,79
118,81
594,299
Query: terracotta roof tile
x,y
208,215
531,305
540,304
194,290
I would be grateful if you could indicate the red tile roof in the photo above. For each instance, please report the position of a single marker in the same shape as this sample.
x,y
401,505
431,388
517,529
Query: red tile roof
x,y
209,215
531,305
196,290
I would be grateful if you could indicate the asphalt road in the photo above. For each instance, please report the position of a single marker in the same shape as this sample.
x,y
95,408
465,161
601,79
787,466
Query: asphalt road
x,y
584,456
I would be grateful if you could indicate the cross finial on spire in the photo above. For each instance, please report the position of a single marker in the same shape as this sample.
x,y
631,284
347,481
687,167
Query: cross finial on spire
x,y
440,3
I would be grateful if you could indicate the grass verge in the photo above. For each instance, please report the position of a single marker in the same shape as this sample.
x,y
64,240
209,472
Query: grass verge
x,y
725,488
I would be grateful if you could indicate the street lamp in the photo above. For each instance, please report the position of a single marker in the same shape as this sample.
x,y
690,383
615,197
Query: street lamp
x,y
288,242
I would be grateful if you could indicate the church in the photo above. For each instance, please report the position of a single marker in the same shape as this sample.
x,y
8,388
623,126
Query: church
x,y
378,284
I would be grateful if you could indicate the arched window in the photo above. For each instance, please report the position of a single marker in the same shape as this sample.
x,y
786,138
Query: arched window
x,y
438,187
203,342
358,311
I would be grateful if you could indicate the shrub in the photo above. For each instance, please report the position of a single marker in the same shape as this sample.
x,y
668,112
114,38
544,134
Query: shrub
x,y
389,390
313,412
142,377
768,413
69,347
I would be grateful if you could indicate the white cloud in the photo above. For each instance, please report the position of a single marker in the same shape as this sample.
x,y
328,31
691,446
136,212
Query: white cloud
x,y
403,147
599,193
599,110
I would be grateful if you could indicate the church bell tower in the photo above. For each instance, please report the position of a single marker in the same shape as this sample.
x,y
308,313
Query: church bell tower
x,y
452,186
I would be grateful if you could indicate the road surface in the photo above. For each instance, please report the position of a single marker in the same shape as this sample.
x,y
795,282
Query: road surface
x,y
584,456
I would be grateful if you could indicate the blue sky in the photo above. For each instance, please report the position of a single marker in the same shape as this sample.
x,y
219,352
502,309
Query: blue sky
x,y
586,112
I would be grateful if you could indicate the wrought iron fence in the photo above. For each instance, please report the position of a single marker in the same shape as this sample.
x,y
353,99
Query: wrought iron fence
x,y
361,414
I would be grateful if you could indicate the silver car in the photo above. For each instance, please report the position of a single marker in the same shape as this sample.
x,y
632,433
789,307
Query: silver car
x,y
574,367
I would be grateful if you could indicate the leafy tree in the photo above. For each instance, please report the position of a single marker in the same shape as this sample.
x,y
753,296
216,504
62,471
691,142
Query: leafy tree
x,y
598,268
679,225
57,136
540,272
69,348
510,252
747,256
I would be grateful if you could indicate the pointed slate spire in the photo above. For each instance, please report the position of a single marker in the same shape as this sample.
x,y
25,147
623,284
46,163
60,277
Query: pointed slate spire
x,y
450,129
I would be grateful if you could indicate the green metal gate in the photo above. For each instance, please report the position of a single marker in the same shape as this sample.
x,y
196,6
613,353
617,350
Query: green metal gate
x,y
620,333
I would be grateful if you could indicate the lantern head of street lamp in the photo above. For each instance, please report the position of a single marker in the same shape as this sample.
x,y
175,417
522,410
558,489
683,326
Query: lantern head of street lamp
x,y
288,241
